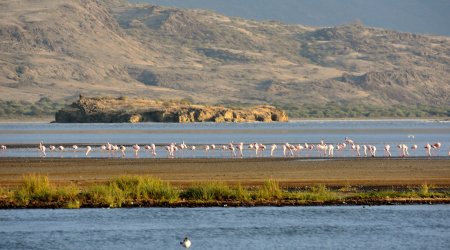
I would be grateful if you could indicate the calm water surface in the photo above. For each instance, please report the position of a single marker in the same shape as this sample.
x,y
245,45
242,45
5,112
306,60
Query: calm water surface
x,y
376,133
355,227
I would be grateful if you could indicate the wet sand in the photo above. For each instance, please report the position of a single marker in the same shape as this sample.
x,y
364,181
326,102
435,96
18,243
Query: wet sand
x,y
181,172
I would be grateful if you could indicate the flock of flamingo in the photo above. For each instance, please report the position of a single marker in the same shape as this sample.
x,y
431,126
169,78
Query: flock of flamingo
x,y
237,150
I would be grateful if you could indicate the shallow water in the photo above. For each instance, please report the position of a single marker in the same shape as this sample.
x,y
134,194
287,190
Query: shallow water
x,y
376,133
335,227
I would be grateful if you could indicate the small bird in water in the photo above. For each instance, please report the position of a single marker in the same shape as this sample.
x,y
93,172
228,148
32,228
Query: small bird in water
x,y
186,243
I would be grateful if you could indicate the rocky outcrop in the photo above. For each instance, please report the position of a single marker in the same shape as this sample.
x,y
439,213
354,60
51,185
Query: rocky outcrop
x,y
108,110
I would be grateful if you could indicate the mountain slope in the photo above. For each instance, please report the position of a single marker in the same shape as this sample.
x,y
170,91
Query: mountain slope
x,y
116,48
427,17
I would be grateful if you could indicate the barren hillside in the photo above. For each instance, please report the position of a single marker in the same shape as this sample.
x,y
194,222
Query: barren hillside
x,y
60,49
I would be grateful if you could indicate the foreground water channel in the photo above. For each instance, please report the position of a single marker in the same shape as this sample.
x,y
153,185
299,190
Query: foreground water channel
x,y
335,227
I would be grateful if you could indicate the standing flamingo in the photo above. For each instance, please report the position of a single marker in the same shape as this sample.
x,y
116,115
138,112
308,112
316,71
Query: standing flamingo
x,y
331,150
42,149
372,150
193,150
298,149
136,149
123,150
365,150
272,149
206,150
428,149
414,148
232,148
3,147
403,149
240,147
356,148
88,150
437,146
387,150
75,148
153,149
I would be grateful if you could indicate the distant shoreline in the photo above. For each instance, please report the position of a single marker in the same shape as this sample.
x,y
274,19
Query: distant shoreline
x,y
291,120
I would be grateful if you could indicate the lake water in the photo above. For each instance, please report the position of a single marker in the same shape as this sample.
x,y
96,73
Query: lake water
x,y
378,133
335,227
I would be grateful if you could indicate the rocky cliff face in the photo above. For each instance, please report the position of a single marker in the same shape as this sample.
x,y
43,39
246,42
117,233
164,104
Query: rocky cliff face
x,y
107,110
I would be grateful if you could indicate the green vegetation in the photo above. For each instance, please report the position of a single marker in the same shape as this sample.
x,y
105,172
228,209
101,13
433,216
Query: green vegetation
x,y
42,107
353,110
37,191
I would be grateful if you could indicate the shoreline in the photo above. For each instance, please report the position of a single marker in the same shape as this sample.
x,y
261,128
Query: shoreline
x,y
290,172
51,119
209,182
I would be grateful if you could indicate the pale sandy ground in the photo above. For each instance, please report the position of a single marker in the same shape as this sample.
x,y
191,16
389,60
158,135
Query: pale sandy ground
x,y
248,172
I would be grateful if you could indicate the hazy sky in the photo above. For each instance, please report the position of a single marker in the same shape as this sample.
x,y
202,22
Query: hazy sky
x,y
419,16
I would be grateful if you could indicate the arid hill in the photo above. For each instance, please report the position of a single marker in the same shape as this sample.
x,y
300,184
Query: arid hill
x,y
60,49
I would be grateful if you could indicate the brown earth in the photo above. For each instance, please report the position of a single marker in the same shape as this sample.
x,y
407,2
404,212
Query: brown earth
x,y
60,49
248,172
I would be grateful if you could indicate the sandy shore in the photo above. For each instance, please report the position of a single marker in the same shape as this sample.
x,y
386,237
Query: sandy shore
x,y
248,172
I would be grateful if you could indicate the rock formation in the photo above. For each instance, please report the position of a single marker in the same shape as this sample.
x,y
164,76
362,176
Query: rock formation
x,y
108,110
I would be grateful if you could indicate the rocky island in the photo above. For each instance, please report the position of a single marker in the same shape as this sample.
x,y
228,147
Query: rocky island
x,y
133,110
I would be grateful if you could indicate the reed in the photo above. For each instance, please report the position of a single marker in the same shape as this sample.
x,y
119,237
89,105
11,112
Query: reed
x,y
34,188
209,191
138,188
269,190
105,195
316,193
156,189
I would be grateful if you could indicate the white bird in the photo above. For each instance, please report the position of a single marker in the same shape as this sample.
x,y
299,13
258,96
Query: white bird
x,y
387,150
272,149
240,147
2,147
123,149
88,150
136,150
331,150
186,243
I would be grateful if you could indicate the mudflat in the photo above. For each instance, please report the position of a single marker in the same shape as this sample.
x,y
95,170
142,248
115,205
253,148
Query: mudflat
x,y
290,172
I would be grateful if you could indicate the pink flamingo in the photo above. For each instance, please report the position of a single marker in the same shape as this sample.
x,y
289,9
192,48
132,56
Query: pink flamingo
x,y
232,148
88,150
136,149
349,141
75,148
356,148
206,150
414,148
240,147
272,149
403,149
387,150
372,150
193,149
261,149
3,147
299,149
153,149
437,146
284,150
331,150
428,149
123,150
42,149
365,150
